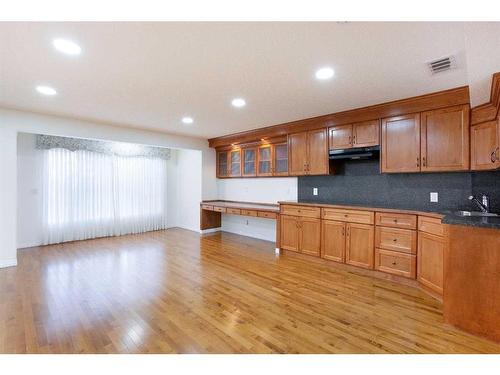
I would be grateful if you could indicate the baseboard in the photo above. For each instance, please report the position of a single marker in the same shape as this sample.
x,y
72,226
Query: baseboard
x,y
212,230
8,263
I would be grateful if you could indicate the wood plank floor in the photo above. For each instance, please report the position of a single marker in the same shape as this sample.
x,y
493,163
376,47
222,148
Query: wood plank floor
x,y
175,291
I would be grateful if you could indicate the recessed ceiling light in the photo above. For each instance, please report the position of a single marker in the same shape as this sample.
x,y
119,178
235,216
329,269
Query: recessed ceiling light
x,y
238,102
67,46
46,90
324,73
187,120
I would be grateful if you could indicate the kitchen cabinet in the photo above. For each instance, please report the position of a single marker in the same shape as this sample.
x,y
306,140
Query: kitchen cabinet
x,y
359,245
264,160
235,163
301,234
444,139
400,149
308,153
222,163
249,161
430,261
280,159
362,134
333,240
432,141
485,143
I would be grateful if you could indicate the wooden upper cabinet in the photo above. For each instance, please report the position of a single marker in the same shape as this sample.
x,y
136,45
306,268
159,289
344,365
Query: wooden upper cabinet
x,y
401,144
265,160
222,163
317,152
340,137
297,153
280,159
249,162
366,134
445,139
235,163
485,142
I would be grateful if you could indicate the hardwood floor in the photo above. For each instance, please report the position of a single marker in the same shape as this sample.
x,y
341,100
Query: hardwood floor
x,y
175,291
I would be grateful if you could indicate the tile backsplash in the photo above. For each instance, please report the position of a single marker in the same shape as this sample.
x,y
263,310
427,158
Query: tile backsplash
x,y
360,183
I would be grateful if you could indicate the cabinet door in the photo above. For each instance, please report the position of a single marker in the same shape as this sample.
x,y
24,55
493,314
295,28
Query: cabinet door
x,y
317,152
359,245
445,139
340,137
289,229
222,165
485,152
235,163
366,134
401,144
333,240
310,236
430,261
297,152
249,161
264,161
280,159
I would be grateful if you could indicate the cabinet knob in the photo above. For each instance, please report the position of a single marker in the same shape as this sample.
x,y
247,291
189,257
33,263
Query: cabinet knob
x,y
395,239
418,161
394,263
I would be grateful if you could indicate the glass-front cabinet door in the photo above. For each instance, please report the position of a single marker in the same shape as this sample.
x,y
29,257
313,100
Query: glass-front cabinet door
x,y
235,163
280,159
222,168
264,161
249,161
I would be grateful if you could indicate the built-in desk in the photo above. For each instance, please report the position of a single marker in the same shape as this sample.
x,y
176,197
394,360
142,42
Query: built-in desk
x,y
211,211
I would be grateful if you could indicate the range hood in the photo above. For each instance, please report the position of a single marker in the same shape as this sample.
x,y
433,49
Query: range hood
x,y
355,153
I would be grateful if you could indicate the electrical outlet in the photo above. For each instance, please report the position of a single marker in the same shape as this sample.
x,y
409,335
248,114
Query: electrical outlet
x,y
315,191
434,197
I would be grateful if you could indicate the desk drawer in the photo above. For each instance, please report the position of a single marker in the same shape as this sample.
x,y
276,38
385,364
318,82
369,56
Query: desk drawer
x,y
351,216
207,207
396,263
431,225
394,220
233,211
314,212
249,213
219,209
396,239
267,215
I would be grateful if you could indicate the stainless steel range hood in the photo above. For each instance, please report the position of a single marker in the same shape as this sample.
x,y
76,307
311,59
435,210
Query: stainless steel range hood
x,y
355,153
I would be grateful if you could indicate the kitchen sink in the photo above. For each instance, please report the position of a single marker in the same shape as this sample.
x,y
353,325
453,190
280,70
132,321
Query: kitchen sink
x,y
476,213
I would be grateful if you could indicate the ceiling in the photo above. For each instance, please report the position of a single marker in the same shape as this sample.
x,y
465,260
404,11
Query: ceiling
x,y
150,75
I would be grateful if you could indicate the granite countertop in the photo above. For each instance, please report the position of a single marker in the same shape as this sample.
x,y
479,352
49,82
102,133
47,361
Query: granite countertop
x,y
448,216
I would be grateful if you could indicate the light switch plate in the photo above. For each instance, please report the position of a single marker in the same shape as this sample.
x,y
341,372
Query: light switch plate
x,y
434,197
315,191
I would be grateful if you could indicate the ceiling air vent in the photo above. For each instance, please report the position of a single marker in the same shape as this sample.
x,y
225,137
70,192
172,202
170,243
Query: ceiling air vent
x,y
442,65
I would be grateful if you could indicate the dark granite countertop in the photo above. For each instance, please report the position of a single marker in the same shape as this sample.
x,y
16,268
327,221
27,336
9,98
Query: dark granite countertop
x,y
448,216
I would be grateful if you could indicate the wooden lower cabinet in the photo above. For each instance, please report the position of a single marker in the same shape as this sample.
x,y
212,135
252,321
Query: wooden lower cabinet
x,y
301,234
430,261
395,262
333,240
359,245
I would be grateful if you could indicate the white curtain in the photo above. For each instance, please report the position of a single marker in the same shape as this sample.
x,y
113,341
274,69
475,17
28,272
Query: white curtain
x,y
89,194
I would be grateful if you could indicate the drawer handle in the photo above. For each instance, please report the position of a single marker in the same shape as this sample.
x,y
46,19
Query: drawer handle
x,y
394,263
395,221
395,240
345,215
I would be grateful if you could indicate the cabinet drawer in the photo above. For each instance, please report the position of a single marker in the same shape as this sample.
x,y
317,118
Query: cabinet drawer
x,y
395,263
267,215
314,212
351,216
396,220
431,225
249,212
219,209
233,211
207,207
396,239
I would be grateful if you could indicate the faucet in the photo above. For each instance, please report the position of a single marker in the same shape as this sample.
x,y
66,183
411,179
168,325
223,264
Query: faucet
x,y
484,205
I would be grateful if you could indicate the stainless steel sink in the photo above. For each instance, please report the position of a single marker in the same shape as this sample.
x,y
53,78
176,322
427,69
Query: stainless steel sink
x,y
476,213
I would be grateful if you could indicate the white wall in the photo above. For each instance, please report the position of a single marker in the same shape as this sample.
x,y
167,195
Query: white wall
x,y
12,122
265,190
